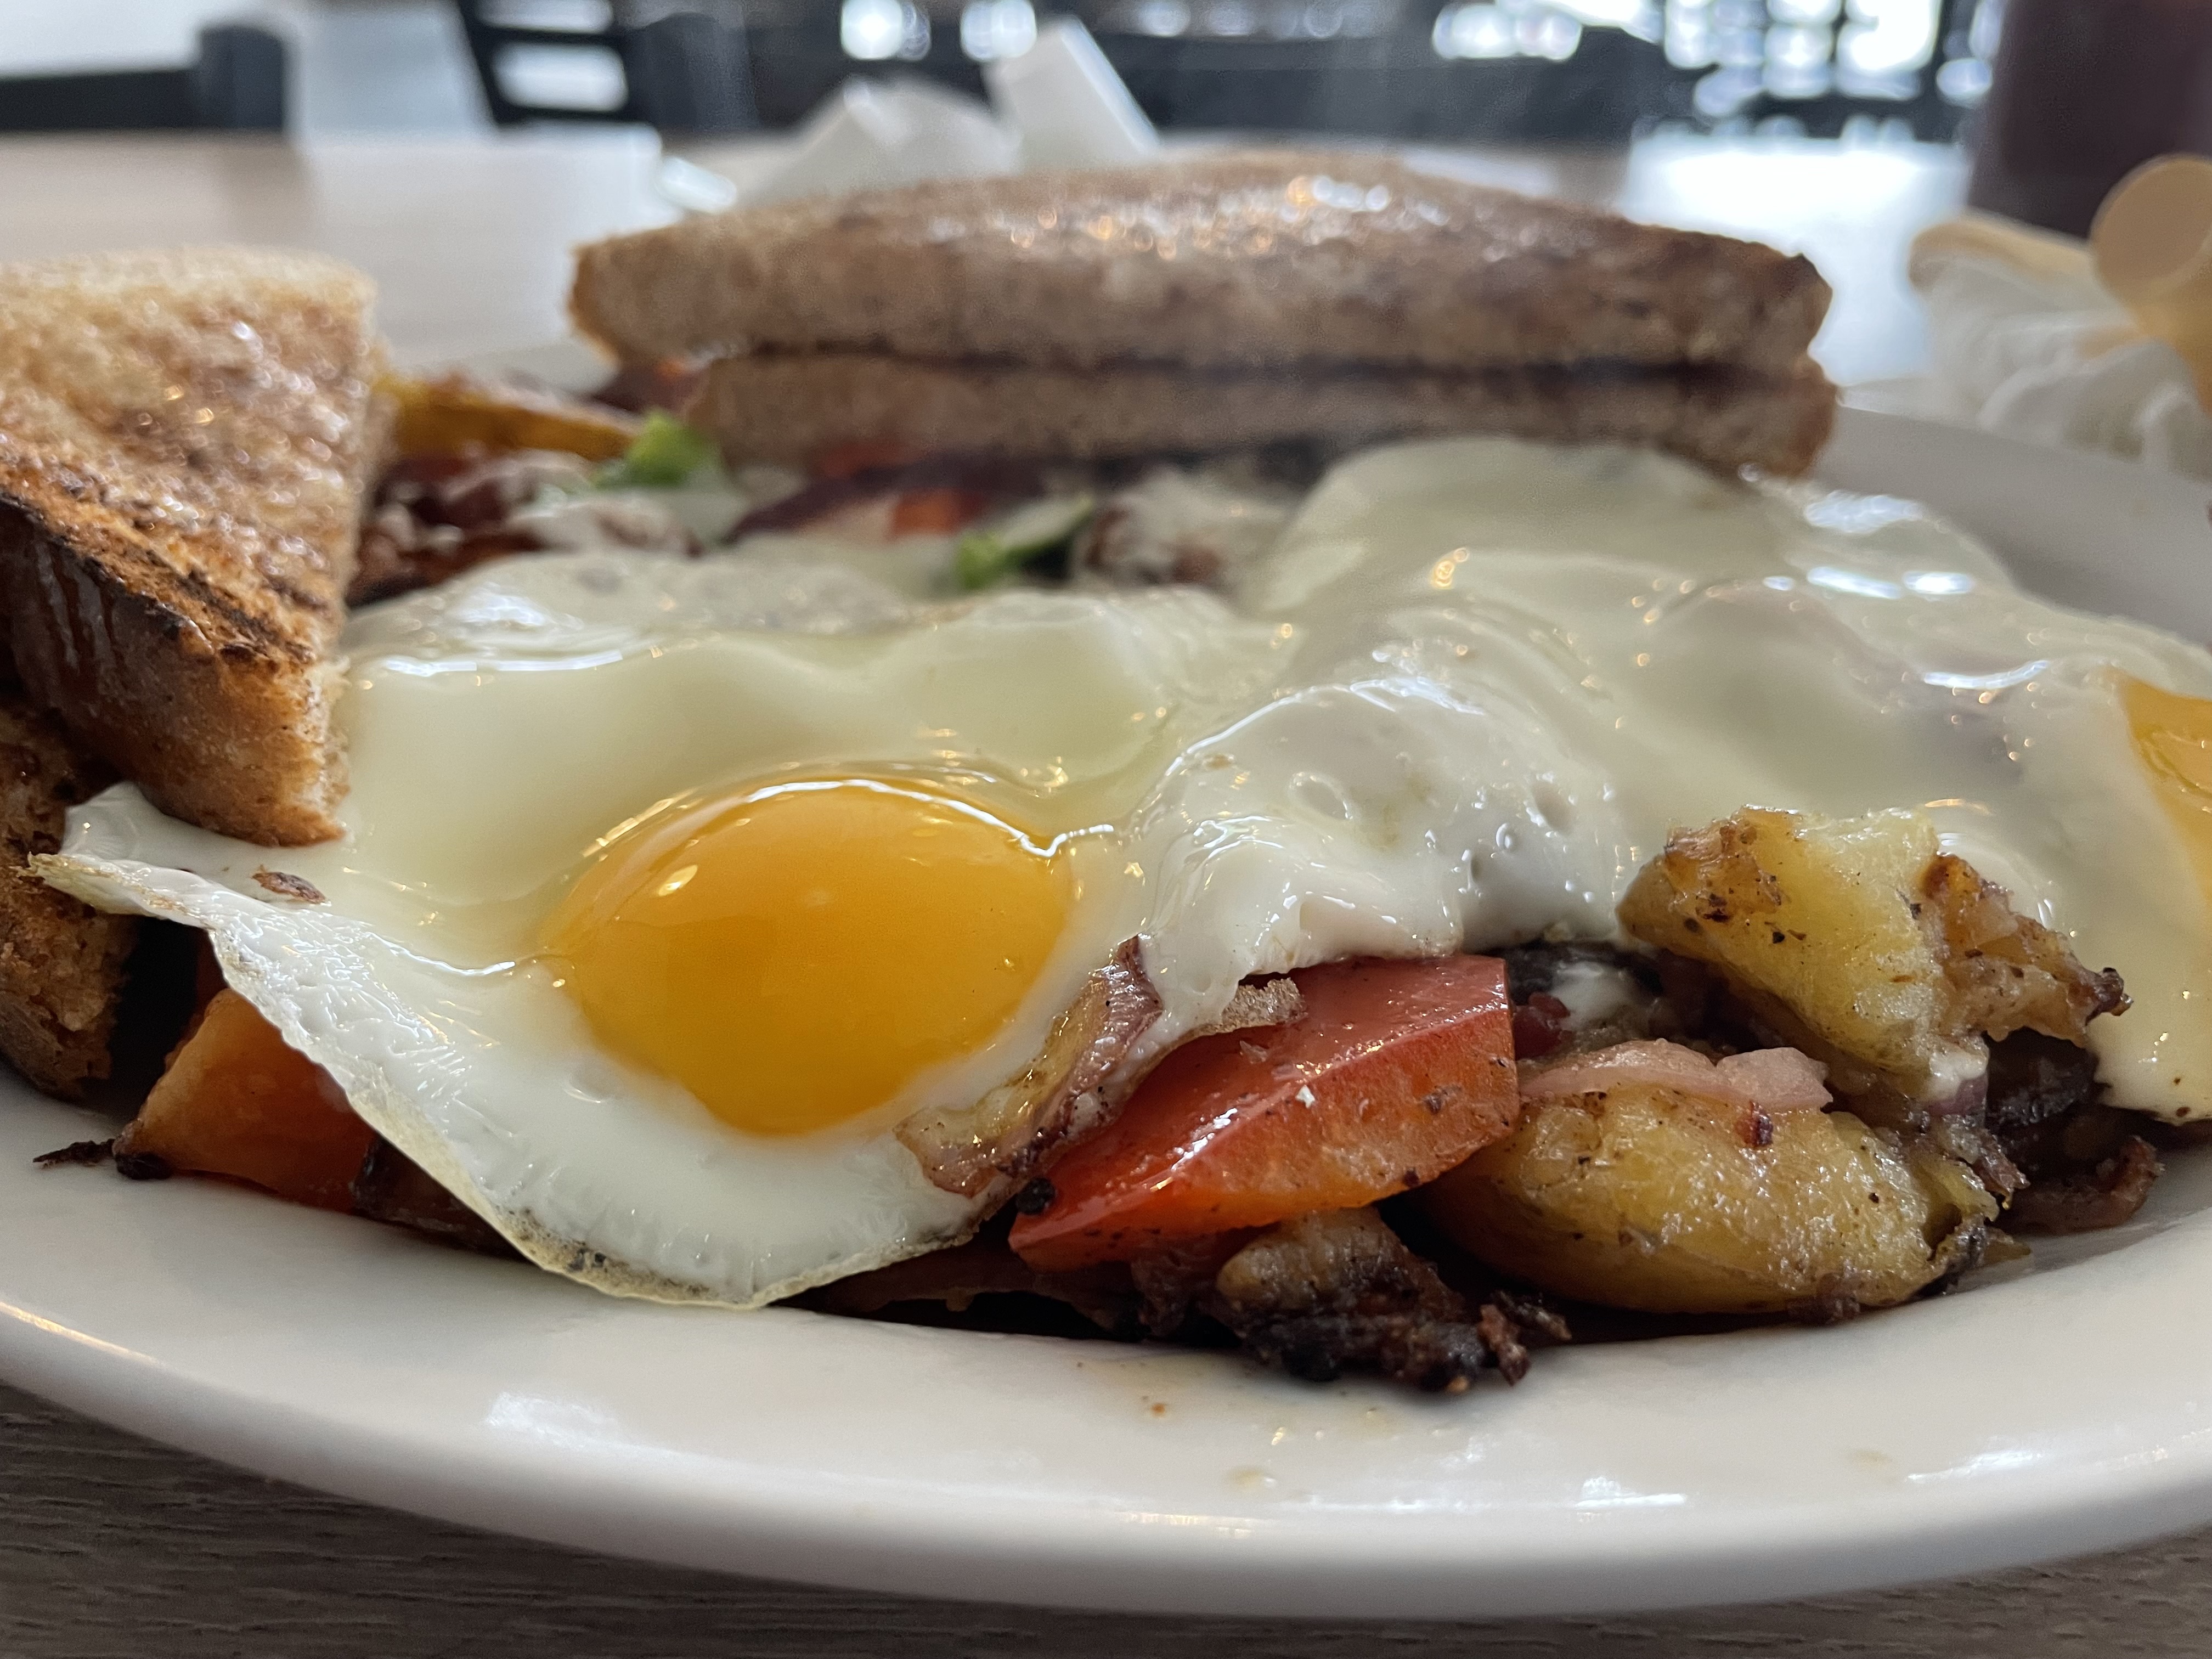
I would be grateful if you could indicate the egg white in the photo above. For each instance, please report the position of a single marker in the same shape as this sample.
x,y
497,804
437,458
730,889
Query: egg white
x,y
1458,705
1702,647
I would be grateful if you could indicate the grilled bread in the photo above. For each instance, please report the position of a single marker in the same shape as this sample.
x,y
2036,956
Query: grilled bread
x,y
1239,259
791,408
184,441
61,961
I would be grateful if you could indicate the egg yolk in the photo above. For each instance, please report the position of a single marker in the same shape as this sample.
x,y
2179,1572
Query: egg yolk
x,y
2174,740
795,954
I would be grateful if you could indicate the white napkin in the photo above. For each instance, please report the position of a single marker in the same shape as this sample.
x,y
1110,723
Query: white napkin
x,y
2025,342
870,134
1067,104
1060,104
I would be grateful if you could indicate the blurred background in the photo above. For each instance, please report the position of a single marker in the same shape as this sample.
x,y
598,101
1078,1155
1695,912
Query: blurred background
x,y
515,129
1594,72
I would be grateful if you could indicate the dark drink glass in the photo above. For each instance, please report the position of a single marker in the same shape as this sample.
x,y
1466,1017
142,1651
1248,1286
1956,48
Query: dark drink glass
x,y
2083,91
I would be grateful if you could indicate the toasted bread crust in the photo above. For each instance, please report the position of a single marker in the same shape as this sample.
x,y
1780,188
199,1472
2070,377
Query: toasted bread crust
x,y
234,737
62,963
184,441
1229,260
789,409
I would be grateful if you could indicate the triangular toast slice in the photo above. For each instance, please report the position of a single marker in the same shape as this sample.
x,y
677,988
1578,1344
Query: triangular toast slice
x,y
185,437
62,963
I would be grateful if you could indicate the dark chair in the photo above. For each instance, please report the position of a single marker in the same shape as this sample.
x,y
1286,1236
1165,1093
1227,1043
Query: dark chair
x,y
238,85
684,71
1614,85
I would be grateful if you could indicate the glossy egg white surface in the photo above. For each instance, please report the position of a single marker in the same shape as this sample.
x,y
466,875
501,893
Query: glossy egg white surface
x,y
1458,705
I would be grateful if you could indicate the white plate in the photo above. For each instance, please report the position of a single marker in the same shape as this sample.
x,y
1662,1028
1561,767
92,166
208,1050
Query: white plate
x,y
2059,1410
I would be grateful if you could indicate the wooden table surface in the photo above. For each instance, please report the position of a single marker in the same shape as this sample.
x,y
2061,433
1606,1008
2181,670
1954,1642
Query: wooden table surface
x,y
110,1546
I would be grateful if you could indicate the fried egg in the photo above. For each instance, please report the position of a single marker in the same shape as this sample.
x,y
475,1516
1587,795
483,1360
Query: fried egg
x,y
671,888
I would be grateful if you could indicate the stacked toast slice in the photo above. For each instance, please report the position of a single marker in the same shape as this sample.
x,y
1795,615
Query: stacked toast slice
x,y
1224,301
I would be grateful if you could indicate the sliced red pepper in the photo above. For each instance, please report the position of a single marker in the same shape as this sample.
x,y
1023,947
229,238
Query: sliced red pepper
x,y
1395,1072
937,511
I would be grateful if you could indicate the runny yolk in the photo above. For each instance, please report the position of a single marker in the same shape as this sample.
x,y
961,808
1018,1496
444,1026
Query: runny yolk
x,y
794,955
2174,740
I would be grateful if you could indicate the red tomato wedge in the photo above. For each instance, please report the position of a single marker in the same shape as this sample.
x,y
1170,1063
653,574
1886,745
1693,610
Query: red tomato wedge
x,y
937,511
1395,1073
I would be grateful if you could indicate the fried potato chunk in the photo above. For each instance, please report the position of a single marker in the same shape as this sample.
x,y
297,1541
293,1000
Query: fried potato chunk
x,y
1815,925
1650,1197
1861,942
2005,972
460,412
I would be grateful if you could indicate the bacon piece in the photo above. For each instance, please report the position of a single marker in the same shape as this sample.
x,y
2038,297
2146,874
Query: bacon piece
x,y
1540,1026
1338,1291
1014,1132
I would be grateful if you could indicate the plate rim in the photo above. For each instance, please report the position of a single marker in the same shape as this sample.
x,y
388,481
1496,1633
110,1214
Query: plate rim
x,y
1007,1552
1085,1557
